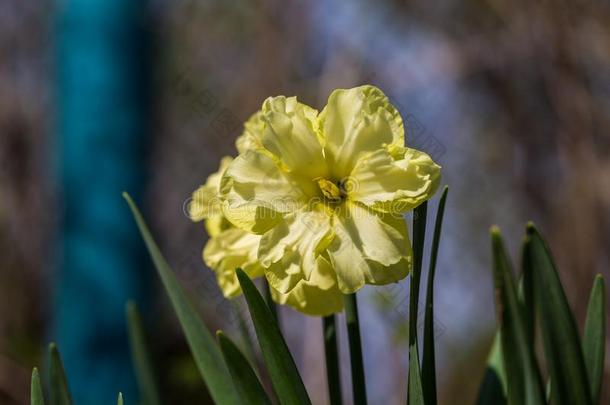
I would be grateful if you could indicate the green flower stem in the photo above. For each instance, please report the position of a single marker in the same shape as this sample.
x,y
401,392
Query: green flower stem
x,y
333,377
419,235
355,349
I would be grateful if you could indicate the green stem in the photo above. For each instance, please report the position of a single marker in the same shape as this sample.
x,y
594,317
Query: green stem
x,y
419,235
355,349
428,368
333,377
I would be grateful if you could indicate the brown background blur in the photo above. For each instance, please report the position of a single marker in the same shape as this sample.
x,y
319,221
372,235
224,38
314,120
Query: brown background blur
x,y
511,98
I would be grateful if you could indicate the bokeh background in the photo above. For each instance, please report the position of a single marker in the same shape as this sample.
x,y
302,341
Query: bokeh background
x,y
511,98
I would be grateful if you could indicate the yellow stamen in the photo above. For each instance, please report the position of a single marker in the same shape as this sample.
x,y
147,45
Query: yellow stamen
x,y
330,190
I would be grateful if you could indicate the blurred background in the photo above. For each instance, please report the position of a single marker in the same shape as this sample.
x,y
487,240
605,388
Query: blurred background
x,y
511,98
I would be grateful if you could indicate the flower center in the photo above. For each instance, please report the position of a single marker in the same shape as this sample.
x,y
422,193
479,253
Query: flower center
x,y
330,190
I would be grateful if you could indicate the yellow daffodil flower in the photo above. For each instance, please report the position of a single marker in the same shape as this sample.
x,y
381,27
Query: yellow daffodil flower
x,y
230,247
327,192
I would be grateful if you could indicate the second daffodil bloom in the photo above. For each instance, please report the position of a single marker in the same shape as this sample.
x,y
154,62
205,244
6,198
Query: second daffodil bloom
x,y
327,191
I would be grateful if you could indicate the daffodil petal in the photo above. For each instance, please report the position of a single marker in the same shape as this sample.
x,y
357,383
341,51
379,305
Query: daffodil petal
x,y
369,247
205,202
256,192
249,140
356,122
394,182
320,296
216,224
289,134
228,250
289,251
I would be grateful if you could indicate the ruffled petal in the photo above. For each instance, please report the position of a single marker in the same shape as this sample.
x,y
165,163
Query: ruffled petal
x,y
256,193
318,296
228,250
249,139
289,251
369,247
356,122
205,201
289,133
395,180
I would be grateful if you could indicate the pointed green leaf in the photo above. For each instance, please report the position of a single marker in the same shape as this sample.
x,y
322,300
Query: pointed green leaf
x,y
203,346
523,378
246,382
526,293
119,400
36,396
283,371
59,393
428,368
493,388
149,394
416,390
559,333
594,340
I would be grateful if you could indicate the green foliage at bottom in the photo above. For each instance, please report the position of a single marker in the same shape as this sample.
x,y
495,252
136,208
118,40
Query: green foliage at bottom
x,y
533,300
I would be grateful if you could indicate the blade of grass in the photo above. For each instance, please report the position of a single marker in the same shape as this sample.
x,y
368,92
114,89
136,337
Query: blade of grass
x,y
355,349
36,396
59,393
559,333
523,378
203,346
143,367
119,400
594,339
428,369
333,378
493,388
283,371
246,382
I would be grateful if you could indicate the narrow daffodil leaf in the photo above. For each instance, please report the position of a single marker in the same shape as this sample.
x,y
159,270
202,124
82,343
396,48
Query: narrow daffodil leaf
x,y
559,333
119,400
428,368
203,346
355,349
331,354
493,388
526,293
246,382
595,337
269,300
416,390
59,393
144,370
36,396
283,371
523,377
